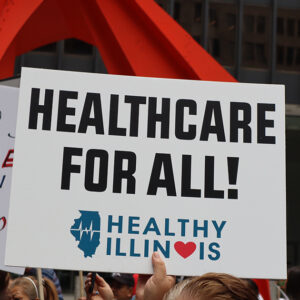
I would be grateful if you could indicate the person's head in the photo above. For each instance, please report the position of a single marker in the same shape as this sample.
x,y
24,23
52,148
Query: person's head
x,y
26,288
176,290
213,286
4,280
122,286
293,283
252,285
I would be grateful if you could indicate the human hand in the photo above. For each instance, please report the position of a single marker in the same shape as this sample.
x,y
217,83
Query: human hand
x,y
140,286
158,284
101,291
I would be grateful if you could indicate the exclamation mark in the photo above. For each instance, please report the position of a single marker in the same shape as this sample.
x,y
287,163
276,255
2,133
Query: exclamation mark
x,y
233,165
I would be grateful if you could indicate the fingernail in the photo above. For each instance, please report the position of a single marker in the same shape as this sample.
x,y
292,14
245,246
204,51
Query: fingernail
x,y
156,254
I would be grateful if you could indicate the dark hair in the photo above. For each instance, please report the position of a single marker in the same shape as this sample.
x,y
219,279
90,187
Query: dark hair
x,y
4,280
293,283
217,286
122,279
252,285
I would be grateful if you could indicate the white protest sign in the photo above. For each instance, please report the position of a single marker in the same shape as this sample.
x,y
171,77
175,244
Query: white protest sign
x,y
108,169
8,118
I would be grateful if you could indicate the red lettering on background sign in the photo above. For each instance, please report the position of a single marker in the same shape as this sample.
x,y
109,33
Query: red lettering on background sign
x,y
8,161
3,220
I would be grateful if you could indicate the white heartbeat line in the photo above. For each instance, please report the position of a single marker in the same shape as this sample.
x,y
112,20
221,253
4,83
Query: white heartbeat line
x,y
86,230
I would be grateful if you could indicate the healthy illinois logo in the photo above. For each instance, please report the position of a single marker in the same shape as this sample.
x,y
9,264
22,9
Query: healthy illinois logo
x,y
86,230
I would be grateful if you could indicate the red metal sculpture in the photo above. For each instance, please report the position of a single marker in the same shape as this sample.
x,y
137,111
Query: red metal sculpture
x,y
134,37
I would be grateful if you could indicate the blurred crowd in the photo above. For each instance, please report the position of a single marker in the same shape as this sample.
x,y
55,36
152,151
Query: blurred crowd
x,y
159,286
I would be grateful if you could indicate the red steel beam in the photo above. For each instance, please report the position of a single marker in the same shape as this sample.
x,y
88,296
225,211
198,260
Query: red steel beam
x,y
134,37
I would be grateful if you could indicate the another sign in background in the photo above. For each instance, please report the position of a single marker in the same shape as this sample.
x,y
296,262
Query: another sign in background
x,y
108,169
8,118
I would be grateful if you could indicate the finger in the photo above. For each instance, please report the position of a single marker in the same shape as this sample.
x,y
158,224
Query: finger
x,y
139,294
172,280
88,282
159,267
140,286
100,281
142,280
88,279
87,287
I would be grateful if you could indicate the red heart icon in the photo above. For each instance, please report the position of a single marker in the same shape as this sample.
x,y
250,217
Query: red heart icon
x,y
185,250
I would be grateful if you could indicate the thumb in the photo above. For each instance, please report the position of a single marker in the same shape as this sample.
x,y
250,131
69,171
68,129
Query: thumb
x,y
159,267
100,281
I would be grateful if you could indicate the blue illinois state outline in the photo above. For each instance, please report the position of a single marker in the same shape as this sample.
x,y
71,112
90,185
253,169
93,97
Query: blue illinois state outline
x,y
86,230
